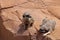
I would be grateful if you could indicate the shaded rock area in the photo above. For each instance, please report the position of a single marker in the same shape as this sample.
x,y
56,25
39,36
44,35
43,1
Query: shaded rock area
x,y
11,12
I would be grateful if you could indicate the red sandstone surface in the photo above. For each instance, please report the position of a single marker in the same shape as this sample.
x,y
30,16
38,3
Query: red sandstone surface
x,y
10,24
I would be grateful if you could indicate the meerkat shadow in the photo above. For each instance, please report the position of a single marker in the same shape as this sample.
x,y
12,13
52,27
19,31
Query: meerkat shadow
x,y
47,38
41,37
21,29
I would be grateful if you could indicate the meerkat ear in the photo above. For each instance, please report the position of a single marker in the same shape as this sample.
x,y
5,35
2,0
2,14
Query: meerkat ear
x,y
44,20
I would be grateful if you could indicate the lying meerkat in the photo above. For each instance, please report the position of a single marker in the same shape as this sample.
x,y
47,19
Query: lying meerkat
x,y
47,26
27,20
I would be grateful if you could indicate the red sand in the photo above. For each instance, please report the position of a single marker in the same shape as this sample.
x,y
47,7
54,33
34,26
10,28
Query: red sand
x,y
10,23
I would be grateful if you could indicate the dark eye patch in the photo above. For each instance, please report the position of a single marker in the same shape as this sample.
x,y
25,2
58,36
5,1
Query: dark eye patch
x,y
46,31
28,16
43,31
23,16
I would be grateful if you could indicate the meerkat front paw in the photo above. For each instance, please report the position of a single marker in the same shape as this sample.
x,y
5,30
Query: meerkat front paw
x,y
46,33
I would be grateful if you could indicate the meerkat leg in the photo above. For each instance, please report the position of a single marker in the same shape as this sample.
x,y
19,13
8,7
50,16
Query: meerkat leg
x,y
47,33
26,26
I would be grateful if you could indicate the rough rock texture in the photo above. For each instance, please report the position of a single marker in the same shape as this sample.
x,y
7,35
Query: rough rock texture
x,y
10,23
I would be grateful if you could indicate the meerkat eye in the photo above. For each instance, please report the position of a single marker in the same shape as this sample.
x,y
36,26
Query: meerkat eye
x,y
41,30
23,16
47,30
28,16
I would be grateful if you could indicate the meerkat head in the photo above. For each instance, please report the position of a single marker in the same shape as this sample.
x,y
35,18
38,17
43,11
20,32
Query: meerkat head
x,y
44,30
26,14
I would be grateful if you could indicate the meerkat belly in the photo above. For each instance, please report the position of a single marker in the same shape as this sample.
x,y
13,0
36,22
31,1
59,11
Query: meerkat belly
x,y
48,26
51,25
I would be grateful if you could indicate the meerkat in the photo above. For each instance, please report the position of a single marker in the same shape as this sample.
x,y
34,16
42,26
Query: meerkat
x,y
27,20
47,26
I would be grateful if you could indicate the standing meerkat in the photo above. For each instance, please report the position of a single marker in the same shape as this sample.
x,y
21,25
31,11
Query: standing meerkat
x,y
27,20
47,26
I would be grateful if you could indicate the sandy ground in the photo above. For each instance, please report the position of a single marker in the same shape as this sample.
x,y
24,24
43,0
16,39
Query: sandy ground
x,y
11,24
